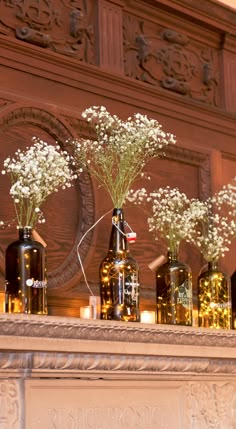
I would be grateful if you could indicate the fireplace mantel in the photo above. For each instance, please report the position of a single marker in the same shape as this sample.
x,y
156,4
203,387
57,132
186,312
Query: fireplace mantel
x,y
63,373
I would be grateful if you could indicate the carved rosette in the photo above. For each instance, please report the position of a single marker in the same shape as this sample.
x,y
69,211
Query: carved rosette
x,y
171,60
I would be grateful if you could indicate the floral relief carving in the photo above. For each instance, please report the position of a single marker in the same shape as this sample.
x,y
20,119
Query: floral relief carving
x,y
171,60
10,409
211,405
66,28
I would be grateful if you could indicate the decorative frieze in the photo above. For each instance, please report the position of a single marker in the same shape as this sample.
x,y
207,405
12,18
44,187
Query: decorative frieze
x,y
66,28
76,329
171,60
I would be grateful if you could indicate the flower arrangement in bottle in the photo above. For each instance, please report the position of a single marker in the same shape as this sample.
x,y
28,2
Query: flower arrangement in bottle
x,y
115,158
35,173
213,234
171,218
120,149
171,214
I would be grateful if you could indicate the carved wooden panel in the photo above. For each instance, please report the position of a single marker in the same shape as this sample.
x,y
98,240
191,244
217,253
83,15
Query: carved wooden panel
x,y
110,36
229,72
64,27
170,59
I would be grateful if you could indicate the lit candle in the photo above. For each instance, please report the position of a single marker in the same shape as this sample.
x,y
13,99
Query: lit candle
x,y
148,316
2,302
85,312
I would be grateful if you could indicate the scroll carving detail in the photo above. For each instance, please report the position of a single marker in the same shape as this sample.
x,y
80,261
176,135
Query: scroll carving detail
x,y
171,60
66,28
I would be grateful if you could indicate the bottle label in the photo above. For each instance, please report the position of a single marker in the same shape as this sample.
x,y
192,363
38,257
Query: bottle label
x,y
39,284
185,294
223,305
132,288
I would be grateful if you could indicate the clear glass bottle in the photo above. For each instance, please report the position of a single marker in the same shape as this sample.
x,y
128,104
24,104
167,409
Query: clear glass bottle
x,y
214,298
233,299
174,292
25,274
119,276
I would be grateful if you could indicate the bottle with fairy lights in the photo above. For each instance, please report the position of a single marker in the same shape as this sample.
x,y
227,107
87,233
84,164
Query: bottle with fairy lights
x,y
119,276
214,298
25,275
174,291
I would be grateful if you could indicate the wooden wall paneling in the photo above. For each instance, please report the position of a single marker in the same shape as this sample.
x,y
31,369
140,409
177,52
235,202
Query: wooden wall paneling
x,y
110,35
173,55
65,28
229,72
228,173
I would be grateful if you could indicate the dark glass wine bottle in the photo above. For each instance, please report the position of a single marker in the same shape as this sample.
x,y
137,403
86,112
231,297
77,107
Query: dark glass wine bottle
x,y
233,299
25,273
174,292
119,276
214,301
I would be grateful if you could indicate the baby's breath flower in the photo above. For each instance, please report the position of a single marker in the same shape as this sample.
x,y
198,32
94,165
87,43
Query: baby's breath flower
x,y
121,149
216,228
170,214
35,174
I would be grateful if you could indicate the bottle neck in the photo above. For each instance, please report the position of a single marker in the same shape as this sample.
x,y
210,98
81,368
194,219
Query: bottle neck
x,y
172,255
118,240
213,265
25,233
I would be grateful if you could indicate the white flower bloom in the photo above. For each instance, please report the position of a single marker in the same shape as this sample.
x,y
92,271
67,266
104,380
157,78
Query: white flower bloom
x,y
36,173
174,217
121,149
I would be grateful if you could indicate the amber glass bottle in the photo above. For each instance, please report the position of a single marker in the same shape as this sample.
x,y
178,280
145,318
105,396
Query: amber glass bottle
x,y
119,276
214,300
174,292
233,299
25,287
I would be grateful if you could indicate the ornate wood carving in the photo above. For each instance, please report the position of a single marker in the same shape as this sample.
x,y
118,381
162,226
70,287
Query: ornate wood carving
x,y
166,58
66,28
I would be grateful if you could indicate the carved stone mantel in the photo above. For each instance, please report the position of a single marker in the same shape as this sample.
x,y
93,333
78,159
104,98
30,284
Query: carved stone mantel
x,y
47,362
59,345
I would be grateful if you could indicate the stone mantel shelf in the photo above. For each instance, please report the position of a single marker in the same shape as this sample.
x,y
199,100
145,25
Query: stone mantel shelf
x,y
49,346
